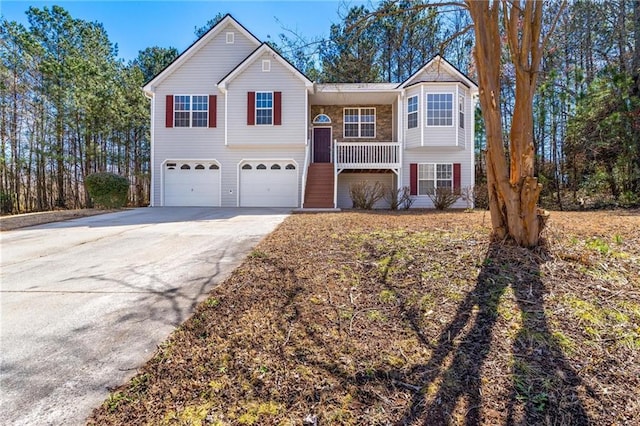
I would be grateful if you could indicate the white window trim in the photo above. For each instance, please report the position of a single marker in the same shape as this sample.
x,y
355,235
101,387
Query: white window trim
x,y
435,176
190,126
266,65
230,37
256,109
416,112
359,123
426,109
461,111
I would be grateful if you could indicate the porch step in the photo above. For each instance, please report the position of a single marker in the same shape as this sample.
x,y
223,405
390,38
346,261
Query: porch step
x,y
319,190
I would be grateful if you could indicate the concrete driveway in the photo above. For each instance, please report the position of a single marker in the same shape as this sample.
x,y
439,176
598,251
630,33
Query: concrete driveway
x,y
84,303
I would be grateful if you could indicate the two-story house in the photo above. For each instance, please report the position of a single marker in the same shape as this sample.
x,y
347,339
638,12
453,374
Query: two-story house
x,y
233,123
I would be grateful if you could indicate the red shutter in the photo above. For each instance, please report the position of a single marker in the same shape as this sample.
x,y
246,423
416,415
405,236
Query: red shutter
x,y
413,179
169,111
251,108
456,177
277,108
213,110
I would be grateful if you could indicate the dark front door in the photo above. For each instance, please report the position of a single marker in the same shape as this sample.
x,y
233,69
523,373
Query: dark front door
x,y
322,145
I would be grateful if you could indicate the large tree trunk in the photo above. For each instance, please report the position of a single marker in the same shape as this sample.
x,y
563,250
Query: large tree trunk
x,y
513,189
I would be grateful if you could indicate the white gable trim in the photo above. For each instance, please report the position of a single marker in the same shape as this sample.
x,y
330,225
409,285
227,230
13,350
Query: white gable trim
x,y
195,47
264,48
441,62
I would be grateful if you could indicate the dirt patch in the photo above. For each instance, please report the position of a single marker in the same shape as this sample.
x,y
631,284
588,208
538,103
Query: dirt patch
x,y
407,318
8,223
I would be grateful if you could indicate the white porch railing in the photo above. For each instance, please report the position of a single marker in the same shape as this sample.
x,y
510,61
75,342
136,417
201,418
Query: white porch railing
x,y
367,155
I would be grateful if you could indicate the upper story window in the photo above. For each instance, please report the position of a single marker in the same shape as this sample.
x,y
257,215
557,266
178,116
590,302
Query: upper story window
x,y
461,111
359,122
264,108
191,110
412,112
432,176
439,109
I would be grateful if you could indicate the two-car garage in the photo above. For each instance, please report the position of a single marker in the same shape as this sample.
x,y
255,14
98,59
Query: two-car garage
x,y
262,183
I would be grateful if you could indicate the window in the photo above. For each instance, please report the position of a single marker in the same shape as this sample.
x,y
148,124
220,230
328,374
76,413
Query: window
x,y
247,167
412,112
199,167
261,167
264,108
214,167
322,119
439,109
359,122
185,167
276,167
431,176
191,110
461,111
266,65
290,167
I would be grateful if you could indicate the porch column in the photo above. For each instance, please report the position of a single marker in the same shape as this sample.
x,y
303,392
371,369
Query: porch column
x,y
334,151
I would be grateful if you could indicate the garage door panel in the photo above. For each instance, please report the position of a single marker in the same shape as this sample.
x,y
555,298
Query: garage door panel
x,y
186,185
266,186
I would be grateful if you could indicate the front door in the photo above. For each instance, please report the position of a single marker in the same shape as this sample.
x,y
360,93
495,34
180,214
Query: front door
x,y
322,145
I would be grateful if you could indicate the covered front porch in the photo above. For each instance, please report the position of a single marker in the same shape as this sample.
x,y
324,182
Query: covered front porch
x,y
354,128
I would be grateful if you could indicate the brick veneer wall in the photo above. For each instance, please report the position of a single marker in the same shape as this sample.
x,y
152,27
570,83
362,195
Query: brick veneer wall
x,y
384,121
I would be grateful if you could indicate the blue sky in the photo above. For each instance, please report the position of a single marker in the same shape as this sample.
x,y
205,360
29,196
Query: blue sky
x,y
135,25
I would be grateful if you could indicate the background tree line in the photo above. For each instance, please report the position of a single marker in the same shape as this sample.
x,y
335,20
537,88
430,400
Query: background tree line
x,y
69,107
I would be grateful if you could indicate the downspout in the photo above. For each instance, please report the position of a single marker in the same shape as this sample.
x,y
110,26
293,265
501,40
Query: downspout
x,y
402,137
307,150
151,96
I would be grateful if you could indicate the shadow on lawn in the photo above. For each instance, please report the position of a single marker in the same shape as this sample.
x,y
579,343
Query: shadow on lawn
x,y
544,388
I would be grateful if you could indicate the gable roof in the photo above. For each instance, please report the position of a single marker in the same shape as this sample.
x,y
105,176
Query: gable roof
x,y
441,62
264,48
196,46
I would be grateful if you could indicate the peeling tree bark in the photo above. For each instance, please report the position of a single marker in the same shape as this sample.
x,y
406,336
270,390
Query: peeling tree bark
x,y
513,188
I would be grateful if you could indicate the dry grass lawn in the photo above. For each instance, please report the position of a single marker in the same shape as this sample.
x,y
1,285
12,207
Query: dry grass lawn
x,y
10,222
407,319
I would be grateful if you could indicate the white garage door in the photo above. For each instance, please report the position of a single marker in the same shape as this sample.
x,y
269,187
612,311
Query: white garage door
x,y
191,184
269,184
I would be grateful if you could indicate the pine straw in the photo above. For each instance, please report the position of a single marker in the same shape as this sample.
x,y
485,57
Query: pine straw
x,y
408,318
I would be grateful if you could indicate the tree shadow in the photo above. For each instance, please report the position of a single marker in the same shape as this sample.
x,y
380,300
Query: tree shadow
x,y
544,387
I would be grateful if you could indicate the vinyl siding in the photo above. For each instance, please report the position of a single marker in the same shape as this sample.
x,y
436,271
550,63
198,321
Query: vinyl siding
x,y
293,130
345,180
444,155
413,136
196,76
432,73
464,135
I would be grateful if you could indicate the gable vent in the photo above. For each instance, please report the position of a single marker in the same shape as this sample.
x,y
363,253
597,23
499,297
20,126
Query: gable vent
x,y
230,38
266,65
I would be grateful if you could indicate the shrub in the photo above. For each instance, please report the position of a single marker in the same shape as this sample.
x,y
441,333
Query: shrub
x,y
107,190
398,197
364,195
481,196
443,198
